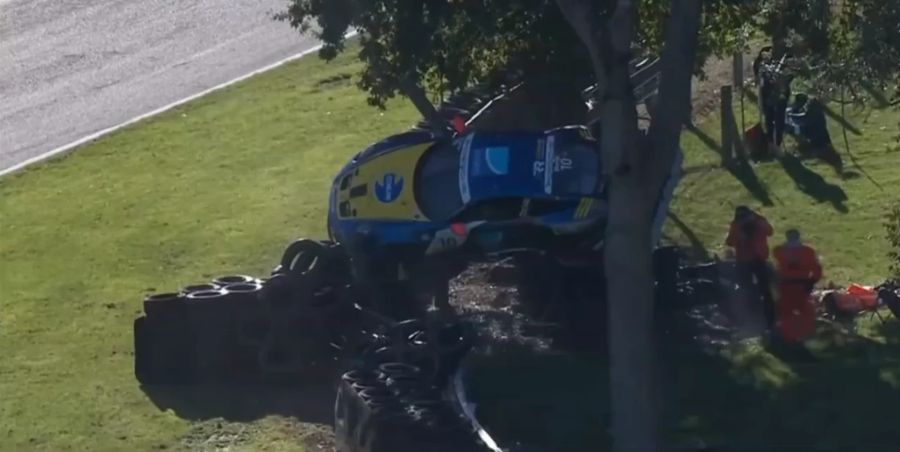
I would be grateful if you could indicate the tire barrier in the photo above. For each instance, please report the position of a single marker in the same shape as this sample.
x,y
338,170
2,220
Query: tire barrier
x,y
240,329
388,402
161,340
306,314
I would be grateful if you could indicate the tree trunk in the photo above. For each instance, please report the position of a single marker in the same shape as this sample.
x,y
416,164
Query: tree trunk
x,y
635,407
637,168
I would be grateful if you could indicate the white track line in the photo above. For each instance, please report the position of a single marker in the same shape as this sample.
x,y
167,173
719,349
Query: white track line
x,y
70,146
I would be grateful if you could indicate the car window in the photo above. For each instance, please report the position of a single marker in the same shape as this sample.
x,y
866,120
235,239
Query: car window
x,y
577,171
437,182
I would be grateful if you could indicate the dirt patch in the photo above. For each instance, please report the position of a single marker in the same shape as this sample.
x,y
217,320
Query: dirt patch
x,y
217,434
317,438
705,93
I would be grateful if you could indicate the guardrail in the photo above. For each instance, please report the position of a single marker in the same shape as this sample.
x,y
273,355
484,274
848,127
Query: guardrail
x,y
644,78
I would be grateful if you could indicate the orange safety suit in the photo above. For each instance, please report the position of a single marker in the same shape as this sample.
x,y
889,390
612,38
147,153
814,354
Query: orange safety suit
x,y
798,270
752,246
750,239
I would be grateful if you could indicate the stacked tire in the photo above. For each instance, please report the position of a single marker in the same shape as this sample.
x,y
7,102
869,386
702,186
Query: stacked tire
x,y
239,329
191,336
395,399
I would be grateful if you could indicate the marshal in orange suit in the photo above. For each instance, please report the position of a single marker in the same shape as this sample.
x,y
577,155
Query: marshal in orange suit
x,y
798,271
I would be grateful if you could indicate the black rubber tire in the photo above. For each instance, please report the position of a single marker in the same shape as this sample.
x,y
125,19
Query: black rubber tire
x,y
198,288
143,360
301,255
162,353
164,304
225,280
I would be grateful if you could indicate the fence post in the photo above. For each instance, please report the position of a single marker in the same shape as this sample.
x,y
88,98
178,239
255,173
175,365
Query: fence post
x,y
738,72
727,115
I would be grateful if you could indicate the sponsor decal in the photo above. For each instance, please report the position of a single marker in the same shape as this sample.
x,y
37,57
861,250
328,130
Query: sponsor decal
x,y
549,155
497,160
389,188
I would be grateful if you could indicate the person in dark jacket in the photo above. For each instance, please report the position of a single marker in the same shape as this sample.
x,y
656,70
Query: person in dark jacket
x,y
774,93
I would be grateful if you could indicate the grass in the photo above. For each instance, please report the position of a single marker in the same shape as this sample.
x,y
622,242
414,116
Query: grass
x,y
745,397
218,186
840,216
222,184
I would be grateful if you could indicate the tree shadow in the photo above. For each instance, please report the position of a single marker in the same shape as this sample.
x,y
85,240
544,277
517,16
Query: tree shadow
x,y
841,120
743,171
826,154
740,398
704,138
309,400
814,185
698,249
876,93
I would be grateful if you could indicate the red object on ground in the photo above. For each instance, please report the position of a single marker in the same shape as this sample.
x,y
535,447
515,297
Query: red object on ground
x,y
868,298
459,124
755,137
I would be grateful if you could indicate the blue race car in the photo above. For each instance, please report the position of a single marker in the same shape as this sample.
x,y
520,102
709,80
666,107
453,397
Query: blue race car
x,y
475,194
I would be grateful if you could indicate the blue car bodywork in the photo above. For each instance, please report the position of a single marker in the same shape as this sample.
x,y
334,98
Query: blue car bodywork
x,y
477,192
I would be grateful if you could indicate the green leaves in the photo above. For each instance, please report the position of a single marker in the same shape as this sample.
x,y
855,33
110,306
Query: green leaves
x,y
448,44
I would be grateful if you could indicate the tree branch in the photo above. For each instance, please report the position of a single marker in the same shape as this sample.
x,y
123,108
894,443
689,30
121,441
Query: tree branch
x,y
677,63
585,18
618,110
419,98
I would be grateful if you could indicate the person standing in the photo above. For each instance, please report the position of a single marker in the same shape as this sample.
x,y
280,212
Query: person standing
x,y
774,84
798,270
749,236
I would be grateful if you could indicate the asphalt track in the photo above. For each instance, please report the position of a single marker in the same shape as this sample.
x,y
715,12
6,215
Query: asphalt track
x,y
71,68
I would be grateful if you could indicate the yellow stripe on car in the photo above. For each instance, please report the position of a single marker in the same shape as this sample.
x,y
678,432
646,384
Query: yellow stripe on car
x,y
584,207
401,164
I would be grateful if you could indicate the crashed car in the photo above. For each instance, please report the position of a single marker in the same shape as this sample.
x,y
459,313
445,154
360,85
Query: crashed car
x,y
474,194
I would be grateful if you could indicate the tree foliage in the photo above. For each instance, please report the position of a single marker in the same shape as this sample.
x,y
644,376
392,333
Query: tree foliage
x,y
448,44
852,44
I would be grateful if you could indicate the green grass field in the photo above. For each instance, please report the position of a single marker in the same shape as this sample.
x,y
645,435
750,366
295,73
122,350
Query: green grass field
x,y
215,187
840,216
220,186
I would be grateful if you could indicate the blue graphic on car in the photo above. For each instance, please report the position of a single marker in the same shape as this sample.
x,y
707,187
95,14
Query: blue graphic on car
x,y
388,190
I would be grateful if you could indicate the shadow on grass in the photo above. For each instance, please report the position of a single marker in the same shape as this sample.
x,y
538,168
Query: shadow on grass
x,y
748,399
743,171
309,402
704,138
840,119
739,167
814,185
548,402
826,154
736,397
698,249
876,93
